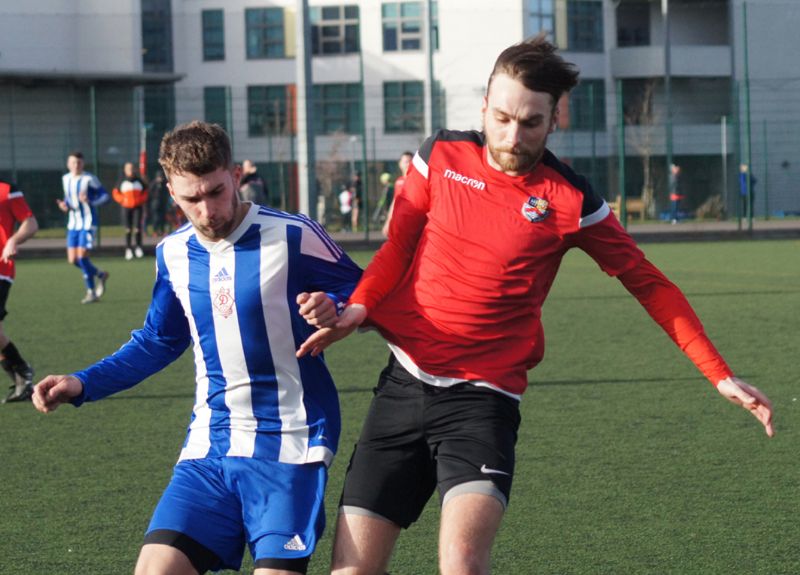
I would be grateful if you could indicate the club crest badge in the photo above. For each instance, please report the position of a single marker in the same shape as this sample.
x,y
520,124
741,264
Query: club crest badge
x,y
224,302
535,209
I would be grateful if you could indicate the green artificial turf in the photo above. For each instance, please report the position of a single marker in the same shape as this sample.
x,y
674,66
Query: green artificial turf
x,y
628,461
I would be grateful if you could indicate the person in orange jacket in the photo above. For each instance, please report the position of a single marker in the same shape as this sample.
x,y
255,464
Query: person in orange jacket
x,y
131,194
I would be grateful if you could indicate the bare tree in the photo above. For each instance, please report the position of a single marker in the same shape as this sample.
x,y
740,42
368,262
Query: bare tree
x,y
640,113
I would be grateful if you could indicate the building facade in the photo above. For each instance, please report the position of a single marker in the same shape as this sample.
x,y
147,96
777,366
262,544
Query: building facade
x,y
705,84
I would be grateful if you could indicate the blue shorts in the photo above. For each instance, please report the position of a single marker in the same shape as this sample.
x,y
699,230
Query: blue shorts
x,y
80,239
223,503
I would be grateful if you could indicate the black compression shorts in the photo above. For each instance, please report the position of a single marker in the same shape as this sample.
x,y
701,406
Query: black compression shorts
x,y
418,437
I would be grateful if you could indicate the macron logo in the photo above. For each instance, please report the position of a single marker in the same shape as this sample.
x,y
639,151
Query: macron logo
x,y
462,179
222,276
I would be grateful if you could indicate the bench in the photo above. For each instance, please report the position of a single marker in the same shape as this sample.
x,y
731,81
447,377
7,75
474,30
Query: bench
x,y
632,205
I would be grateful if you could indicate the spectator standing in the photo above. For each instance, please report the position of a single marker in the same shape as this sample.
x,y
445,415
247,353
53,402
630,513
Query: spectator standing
x,y
252,187
131,194
158,203
675,194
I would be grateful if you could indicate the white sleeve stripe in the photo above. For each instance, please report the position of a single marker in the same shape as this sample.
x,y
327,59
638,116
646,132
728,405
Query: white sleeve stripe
x,y
420,165
335,250
596,217
17,194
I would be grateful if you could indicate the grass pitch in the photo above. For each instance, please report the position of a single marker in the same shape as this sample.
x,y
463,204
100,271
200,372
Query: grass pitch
x,y
628,461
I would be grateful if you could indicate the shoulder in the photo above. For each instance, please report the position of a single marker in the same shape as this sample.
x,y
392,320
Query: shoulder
x,y
592,202
450,138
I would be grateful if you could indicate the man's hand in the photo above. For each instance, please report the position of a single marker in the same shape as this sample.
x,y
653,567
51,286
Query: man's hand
x,y
10,250
54,390
317,309
62,205
83,197
351,318
749,397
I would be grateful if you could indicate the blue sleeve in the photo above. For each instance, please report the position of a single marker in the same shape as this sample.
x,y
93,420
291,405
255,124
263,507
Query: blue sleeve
x,y
98,195
163,338
326,267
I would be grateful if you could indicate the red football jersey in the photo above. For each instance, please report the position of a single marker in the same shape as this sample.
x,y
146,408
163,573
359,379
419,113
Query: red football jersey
x,y
472,254
13,208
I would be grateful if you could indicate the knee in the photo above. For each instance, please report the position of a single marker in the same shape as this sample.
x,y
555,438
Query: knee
x,y
463,558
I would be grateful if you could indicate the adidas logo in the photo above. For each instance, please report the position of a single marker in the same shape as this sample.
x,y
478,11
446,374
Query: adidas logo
x,y
222,276
295,544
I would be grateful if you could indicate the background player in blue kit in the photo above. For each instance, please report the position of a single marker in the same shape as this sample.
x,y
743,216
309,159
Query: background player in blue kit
x,y
83,192
236,283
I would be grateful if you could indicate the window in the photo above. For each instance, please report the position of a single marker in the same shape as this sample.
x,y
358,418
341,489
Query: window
x,y
156,36
334,30
403,23
585,26
338,108
213,35
403,107
587,106
541,17
264,31
215,101
268,109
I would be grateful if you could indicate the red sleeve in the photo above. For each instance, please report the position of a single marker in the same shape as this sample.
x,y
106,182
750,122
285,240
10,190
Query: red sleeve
x,y
609,245
20,208
670,309
392,260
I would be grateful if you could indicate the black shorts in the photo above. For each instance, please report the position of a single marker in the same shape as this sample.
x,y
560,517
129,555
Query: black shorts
x,y
418,437
5,286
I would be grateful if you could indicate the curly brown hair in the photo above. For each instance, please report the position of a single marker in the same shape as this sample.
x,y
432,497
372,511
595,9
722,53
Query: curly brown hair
x,y
195,148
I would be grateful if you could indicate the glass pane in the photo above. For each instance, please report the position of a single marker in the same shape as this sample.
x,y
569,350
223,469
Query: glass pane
x,y
389,38
351,38
389,10
331,13
411,9
547,6
391,89
413,89
411,44
331,31
314,14
351,12
411,27
331,47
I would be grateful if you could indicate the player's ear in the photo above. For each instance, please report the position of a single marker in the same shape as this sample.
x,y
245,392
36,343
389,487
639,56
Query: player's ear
x,y
554,119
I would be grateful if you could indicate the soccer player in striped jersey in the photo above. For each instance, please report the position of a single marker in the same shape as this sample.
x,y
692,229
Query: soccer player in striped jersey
x,y
83,192
244,285
13,209
474,245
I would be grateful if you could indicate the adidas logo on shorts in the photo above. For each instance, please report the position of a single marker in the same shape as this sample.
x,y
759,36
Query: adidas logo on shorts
x,y
295,544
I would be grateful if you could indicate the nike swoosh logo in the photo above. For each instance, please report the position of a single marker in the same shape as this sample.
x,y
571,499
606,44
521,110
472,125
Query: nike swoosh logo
x,y
488,470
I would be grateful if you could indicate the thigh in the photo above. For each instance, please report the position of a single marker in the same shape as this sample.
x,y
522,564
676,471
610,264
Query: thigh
x,y
85,240
469,524
473,431
392,472
282,509
199,515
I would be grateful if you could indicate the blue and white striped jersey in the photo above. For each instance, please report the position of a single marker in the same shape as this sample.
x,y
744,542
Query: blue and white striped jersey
x,y
234,301
83,216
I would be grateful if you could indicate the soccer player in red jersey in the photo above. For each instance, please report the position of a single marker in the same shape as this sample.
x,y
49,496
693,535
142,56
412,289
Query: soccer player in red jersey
x,y
13,209
476,239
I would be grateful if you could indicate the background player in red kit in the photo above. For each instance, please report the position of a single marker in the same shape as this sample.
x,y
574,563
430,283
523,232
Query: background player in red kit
x,y
475,242
13,209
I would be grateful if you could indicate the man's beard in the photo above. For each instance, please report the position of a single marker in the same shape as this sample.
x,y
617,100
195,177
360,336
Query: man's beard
x,y
517,159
